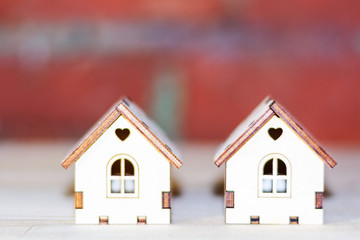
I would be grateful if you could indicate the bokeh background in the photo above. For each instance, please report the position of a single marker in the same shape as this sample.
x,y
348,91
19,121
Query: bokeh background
x,y
197,67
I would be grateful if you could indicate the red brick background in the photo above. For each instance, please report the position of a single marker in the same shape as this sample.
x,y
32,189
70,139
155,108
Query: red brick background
x,y
206,64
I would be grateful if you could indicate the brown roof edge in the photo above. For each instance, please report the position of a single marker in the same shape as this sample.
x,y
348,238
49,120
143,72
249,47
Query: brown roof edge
x,y
163,148
245,137
312,143
89,140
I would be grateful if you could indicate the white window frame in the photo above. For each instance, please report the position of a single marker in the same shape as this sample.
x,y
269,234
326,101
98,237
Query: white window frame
x,y
122,177
274,177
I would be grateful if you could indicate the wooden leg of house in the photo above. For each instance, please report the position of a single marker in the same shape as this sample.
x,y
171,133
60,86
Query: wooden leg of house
x,y
254,219
141,219
294,220
103,220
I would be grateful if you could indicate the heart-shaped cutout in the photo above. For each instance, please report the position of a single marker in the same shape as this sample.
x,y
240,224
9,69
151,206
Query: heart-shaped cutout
x,y
275,133
122,134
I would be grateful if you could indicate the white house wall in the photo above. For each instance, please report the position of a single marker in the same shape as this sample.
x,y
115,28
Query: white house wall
x,y
91,179
307,177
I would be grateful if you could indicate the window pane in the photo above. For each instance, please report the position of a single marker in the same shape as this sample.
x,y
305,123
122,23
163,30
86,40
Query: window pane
x,y
129,168
267,185
115,186
268,167
129,186
115,168
281,167
281,186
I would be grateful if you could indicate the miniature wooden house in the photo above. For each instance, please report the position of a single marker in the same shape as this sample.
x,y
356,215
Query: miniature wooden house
x,y
122,170
274,170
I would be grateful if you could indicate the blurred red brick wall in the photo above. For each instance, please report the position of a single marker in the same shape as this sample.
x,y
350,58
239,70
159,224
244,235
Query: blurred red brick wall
x,y
64,63
272,12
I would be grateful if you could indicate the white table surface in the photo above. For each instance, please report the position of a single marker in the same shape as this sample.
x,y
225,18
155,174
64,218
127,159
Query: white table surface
x,y
35,204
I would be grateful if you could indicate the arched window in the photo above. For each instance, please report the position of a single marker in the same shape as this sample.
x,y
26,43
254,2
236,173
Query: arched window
x,y
122,177
274,176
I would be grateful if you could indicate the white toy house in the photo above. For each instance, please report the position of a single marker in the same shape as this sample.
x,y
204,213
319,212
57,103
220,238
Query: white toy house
x,y
274,170
122,170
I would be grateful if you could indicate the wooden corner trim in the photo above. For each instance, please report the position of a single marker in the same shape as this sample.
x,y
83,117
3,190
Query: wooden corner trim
x,y
244,138
150,136
229,199
311,142
166,200
319,198
79,197
84,145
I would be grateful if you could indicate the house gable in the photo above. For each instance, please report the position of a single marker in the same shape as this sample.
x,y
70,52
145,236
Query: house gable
x,y
288,144
136,117
261,115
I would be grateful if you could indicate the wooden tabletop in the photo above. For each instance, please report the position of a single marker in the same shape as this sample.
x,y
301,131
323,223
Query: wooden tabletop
x,y
35,199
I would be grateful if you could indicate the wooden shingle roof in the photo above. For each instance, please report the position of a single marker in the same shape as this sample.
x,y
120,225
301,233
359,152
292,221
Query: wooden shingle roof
x,y
137,117
261,115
